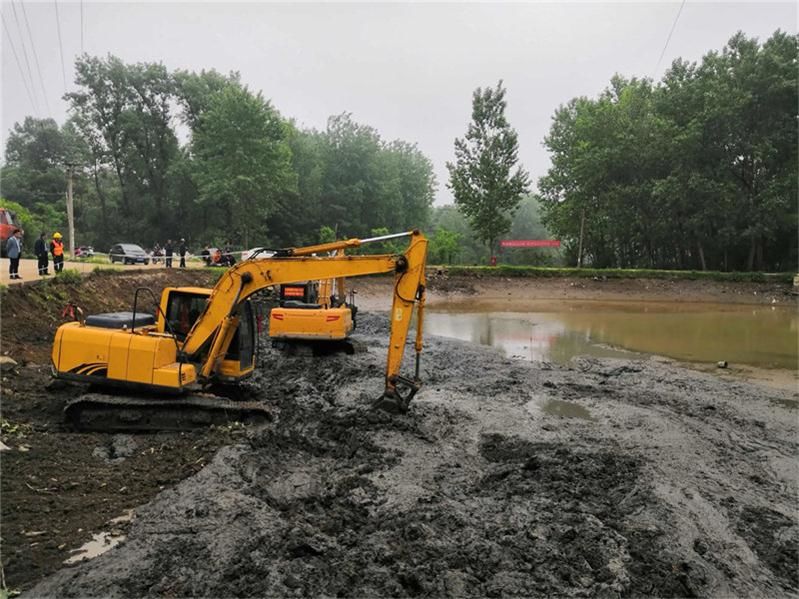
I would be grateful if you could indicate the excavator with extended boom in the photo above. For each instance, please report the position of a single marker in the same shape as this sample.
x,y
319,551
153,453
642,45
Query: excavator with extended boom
x,y
202,337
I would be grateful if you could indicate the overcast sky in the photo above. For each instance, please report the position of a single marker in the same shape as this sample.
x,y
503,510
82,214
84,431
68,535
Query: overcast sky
x,y
406,69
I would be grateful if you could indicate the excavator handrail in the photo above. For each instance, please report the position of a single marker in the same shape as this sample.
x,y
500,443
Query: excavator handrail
x,y
342,244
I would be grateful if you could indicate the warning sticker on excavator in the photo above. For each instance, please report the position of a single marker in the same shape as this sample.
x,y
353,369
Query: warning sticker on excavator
x,y
398,314
293,291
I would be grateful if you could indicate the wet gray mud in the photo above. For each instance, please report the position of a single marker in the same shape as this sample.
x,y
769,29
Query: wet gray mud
x,y
679,485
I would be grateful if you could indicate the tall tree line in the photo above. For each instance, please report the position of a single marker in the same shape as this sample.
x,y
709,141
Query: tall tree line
x,y
696,171
159,154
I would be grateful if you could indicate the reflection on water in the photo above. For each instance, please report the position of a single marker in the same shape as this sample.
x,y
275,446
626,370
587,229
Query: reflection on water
x,y
764,337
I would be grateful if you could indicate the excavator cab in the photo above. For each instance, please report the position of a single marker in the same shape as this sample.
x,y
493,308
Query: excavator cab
x,y
182,306
180,309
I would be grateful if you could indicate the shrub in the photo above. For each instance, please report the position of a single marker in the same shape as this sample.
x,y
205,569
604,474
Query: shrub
x,y
616,273
68,276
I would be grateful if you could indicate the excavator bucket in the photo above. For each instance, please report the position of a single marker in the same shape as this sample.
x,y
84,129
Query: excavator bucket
x,y
398,395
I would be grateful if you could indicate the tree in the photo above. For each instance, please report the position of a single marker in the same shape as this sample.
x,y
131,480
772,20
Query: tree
x,y
35,157
470,249
485,179
194,91
123,112
244,170
326,234
527,225
241,161
444,246
351,189
698,171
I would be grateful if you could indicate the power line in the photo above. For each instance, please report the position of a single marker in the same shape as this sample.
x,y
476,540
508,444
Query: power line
x,y
35,57
16,58
60,45
25,55
81,26
668,39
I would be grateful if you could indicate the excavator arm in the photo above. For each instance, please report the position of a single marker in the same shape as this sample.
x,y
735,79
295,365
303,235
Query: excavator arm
x,y
210,337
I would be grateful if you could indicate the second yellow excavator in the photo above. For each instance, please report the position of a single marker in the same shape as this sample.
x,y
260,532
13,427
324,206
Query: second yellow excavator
x,y
314,316
205,336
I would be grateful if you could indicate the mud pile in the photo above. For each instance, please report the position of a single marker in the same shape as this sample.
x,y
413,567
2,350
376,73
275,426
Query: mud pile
x,y
677,484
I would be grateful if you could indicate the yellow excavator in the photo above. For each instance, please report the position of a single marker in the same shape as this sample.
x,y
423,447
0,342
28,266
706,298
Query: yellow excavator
x,y
205,336
314,316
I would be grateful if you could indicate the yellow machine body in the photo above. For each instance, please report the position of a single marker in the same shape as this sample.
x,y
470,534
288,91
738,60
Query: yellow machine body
x,y
145,356
311,324
101,355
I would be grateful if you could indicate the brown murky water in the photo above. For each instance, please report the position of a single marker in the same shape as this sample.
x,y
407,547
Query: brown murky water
x,y
761,337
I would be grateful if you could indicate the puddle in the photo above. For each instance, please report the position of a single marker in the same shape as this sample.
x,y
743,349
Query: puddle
x,y
101,542
560,408
791,404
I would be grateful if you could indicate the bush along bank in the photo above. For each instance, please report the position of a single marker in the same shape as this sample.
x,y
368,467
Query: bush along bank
x,y
612,273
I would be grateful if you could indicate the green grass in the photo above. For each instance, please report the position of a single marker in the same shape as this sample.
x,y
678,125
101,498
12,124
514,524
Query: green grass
x,y
67,276
614,273
107,269
96,259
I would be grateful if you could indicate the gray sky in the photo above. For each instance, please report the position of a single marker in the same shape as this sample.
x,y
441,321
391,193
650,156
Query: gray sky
x,y
406,69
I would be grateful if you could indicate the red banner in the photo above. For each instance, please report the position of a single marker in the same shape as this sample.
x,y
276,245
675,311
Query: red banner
x,y
530,243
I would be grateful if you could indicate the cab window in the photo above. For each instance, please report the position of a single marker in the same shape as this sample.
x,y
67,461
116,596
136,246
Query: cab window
x,y
182,311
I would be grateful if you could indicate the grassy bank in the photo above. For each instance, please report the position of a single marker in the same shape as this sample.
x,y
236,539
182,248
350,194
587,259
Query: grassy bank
x,y
613,273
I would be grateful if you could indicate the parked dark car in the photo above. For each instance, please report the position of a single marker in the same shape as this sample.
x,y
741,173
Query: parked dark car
x,y
84,251
128,253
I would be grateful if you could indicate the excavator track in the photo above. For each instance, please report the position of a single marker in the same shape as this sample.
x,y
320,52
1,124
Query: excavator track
x,y
307,348
102,412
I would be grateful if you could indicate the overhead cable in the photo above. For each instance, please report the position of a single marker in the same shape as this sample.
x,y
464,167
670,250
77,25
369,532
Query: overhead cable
x,y
25,54
19,65
60,45
35,57
668,39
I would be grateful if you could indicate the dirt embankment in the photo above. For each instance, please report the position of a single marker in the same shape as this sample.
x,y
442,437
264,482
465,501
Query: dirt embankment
x,y
31,312
506,478
516,292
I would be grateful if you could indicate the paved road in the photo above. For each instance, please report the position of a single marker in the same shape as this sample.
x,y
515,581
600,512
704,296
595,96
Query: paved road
x,y
28,268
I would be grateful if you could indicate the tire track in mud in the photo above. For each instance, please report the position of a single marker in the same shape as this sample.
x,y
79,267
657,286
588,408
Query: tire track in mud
x,y
470,494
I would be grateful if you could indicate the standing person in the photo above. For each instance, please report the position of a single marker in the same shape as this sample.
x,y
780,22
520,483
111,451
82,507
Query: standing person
x,y
229,259
40,249
182,251
168,253
57,250
14,250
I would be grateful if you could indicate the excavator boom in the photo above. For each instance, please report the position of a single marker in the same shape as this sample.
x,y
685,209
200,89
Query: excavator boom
x,y
210,336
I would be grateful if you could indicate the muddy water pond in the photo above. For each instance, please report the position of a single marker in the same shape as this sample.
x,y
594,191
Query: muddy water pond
x,y
755,336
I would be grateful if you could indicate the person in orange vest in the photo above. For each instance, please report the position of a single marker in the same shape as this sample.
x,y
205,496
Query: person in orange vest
x,y
57,249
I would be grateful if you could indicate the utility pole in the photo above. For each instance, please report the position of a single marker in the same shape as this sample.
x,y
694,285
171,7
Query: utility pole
x,y
70,211
580,246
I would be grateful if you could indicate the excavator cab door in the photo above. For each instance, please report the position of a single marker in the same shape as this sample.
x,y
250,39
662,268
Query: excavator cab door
x,y
246,336
239,361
